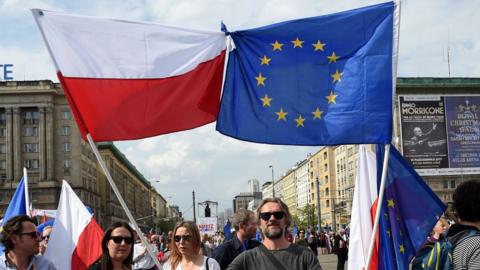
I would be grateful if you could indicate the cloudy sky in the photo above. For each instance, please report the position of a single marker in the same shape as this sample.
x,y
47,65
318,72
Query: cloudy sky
x,y
215,166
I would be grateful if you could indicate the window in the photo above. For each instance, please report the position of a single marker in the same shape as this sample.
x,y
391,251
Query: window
x,y
30,131
3,164
30,117
325,167
328,203
66,163
31,163
326,179
66,131
66,147
452,184
445,184
3,148
325,155
3,132
65,115
3,118
30,148
327,192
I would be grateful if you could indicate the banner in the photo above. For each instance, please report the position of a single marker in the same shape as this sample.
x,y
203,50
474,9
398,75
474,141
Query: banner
x,y
441,134
207,225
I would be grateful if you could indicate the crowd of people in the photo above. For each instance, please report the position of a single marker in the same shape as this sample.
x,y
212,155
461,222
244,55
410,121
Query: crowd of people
x,y
184,248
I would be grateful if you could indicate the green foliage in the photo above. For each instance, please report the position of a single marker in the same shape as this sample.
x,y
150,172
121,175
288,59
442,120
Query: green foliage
x,y
301,218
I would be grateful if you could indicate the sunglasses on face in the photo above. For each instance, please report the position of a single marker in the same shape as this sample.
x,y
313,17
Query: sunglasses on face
x,y
267,215
46,237
120,239
185,238
31,234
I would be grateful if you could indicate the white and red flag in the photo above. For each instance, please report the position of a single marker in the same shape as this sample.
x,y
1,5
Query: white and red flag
x,y
128,80
75,241
363,211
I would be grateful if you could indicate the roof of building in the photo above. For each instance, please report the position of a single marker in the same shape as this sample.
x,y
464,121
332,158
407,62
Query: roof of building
x,y
437,82
120,156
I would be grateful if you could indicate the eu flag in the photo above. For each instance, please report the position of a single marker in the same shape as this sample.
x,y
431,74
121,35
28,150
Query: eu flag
x,y
17,206
409,212
318,81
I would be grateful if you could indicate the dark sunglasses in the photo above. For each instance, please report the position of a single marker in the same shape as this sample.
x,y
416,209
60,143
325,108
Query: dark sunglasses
x,y
46,237
31,234
119,239
267,215
185,238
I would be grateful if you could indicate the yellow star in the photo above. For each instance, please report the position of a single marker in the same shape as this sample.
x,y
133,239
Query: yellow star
x,y
266,101
319,46
331,98
333,58
260,79
281,115
300,121
391,203
277,45
297,43
317,114
337,76
402,249
265,60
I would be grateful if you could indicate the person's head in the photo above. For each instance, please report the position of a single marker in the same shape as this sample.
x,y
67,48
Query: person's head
x,y
274,218
20,234
46,233
417,131
466,201
301,233
117,245
440,227
185,241
245,221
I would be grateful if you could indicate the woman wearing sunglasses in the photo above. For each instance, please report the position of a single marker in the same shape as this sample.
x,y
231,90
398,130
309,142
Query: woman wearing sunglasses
x,y
186,250
117,248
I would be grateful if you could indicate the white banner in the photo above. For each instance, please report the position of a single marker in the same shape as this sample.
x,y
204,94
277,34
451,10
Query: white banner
x,y
207,225
47,212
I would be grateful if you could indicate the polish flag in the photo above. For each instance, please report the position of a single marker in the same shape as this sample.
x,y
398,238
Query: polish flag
x,y
76,239
128,80
363,211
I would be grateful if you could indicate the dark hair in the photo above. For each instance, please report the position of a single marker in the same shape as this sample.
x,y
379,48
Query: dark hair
x,y
106,261
466,201
284,207
192,229
242,216
13,226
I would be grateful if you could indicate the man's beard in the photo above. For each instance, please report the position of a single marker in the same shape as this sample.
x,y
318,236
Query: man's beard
x,y
273,233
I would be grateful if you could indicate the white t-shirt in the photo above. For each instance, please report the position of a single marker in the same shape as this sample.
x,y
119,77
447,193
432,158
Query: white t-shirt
x,y
212,265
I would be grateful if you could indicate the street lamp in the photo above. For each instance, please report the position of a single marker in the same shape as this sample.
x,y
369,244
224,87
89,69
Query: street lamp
x,y
273,182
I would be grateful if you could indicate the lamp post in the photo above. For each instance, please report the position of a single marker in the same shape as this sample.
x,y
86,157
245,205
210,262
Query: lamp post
x,y
273,182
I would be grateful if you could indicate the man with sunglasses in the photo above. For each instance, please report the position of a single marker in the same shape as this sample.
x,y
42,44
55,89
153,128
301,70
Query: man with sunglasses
x,y
245,224
276,252
21,241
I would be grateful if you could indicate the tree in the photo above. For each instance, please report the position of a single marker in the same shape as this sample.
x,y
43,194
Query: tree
x,y
306,214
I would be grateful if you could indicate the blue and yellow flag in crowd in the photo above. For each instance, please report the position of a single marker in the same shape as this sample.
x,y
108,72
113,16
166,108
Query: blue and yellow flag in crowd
x,y
409,212
318,81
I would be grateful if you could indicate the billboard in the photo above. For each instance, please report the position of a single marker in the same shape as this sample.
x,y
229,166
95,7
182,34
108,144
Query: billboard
x,y
441,134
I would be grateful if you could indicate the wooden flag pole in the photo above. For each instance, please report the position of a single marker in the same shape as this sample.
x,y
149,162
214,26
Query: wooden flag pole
x,y
381,192
120,199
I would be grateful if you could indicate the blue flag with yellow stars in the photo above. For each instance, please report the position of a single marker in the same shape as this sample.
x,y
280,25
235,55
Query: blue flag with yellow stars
x,y
409,212
318,81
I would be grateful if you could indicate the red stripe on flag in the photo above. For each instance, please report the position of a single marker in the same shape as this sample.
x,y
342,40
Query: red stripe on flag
x,y
126,109
374,260
89,246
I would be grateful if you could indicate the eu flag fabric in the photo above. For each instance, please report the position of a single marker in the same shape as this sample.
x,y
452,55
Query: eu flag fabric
x,y
17,206
318,81
409,212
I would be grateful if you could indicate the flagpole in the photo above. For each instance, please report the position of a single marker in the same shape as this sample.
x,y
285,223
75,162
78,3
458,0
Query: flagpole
x,y
120,199
27,197
386,157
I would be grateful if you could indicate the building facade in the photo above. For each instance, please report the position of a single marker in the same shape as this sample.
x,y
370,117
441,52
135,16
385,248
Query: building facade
x,y
39,132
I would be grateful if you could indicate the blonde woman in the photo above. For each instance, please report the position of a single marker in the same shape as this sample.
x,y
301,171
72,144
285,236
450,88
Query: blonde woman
x,y
185,253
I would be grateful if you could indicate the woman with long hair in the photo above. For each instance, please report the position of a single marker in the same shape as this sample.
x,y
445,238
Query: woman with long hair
x,y
117,248
185,254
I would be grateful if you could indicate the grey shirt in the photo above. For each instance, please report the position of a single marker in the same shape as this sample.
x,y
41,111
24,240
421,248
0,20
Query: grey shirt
x,y
37,262
294,257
